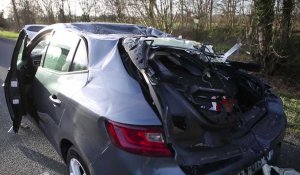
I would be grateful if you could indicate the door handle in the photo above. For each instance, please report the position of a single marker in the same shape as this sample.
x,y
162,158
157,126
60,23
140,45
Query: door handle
x,y
54,99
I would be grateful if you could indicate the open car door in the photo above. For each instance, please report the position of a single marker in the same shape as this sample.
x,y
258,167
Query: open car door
x,y
12,86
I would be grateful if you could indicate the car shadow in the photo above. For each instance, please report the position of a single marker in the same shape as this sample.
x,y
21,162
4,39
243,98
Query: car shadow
x,y
43,160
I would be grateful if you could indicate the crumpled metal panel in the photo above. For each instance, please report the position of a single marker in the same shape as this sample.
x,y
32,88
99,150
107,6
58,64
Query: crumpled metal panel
x,y
110,90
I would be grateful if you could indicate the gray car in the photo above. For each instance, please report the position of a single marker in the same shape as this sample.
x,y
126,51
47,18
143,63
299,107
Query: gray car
x,y
127,99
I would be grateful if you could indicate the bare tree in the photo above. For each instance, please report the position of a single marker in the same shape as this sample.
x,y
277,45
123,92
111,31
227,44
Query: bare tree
x,y
69,11
47,7
86,7
264,12
228,9
211,13
26,9
16,15
119,8
156,13
286,21
60,5
200,11
2,20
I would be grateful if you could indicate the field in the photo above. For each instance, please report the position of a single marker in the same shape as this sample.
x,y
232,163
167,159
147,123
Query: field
x,y
8,34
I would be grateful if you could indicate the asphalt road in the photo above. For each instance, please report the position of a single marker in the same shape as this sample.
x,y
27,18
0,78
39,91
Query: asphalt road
x,y
29,152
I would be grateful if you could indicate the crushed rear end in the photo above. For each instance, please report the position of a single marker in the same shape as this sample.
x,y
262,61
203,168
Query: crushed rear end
x,y
213,112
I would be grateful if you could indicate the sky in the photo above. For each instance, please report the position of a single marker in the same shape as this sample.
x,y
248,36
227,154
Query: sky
x,y
4,4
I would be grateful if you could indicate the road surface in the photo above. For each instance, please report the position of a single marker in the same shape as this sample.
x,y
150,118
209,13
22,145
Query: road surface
x,y
29,152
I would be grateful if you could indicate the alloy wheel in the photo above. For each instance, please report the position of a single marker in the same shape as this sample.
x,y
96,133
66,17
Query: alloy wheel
x,y
76,168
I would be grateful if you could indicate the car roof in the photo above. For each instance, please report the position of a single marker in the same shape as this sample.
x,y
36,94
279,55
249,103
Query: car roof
x,y
39,25
114,30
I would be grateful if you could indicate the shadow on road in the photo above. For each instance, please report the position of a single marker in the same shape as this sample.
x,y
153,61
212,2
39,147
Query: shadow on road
x,y
290,156
43,160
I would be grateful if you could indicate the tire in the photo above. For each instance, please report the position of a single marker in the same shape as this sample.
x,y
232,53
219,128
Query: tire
x,y
277,154
76,165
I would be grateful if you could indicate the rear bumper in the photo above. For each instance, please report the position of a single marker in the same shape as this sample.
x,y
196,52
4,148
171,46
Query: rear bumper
x,y
263,137
236,165
116,161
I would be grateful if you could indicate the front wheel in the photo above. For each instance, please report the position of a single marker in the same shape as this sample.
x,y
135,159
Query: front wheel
x,y
75,164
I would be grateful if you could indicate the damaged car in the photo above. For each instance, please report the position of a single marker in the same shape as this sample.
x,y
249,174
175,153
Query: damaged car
x,y
127,99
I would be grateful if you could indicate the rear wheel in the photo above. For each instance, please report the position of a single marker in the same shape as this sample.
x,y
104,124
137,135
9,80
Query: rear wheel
x,y
75,163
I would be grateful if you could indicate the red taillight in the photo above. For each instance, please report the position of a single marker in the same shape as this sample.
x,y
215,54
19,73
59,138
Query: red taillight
x,y
148,141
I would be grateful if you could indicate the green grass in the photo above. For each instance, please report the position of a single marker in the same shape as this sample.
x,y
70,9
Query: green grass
x,y
292,110
8,34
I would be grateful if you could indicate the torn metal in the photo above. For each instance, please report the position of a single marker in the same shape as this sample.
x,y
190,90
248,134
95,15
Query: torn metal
x,y
210,108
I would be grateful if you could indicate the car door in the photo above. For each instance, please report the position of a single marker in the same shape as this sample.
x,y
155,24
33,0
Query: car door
x,y
12,86
50,79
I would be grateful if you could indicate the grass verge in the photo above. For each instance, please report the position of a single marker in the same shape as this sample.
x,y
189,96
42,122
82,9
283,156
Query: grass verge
x,y
289,91
8,34
292,110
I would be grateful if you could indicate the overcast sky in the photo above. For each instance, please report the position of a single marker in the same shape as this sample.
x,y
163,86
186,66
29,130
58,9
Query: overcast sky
x,y
4,4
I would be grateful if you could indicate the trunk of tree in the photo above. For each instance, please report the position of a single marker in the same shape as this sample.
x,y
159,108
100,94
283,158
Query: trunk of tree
x,y
119,9
47,7
181,11
152,4
27,13
265,16
210,13
286,22
61,12
16,14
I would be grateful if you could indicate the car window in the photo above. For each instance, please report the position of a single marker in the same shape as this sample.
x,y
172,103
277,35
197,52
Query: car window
x,y
60,51
80,61
40,47
35,28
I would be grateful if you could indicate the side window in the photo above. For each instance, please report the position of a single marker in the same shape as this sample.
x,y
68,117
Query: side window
x,y
60,51
39,50
80,61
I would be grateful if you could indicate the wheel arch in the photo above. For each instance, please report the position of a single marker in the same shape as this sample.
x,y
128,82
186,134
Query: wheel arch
x,y
65,144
